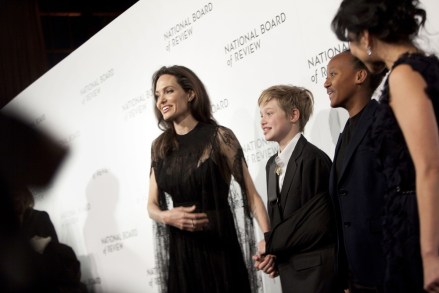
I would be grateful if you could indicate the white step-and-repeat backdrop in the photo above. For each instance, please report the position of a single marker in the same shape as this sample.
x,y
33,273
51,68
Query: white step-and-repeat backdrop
x,y
98,102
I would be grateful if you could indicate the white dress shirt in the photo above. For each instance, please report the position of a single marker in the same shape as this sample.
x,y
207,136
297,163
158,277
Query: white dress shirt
x,y
284,156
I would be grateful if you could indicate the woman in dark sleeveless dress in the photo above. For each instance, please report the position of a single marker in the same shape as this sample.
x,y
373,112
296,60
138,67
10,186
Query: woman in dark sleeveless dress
x,y
204,229
405,134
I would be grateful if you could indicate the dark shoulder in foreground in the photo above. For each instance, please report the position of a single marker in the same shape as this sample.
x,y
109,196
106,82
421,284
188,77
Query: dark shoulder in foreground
x,y
318,153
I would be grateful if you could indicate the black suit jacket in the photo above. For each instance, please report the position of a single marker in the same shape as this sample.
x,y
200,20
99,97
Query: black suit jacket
x,y
303,230
38,223
358,196
57,269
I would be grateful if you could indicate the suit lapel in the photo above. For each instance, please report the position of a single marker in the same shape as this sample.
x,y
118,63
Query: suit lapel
x,y
337,147
291,169
333,170
360,132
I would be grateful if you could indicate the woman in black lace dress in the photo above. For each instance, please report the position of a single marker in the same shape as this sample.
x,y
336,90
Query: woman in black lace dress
x,y
405,134
203,219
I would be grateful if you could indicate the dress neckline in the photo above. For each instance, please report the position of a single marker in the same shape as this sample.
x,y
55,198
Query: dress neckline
x,y
406,55
190,131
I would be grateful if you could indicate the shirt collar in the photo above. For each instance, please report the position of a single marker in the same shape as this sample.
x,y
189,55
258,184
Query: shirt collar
x,y
284,156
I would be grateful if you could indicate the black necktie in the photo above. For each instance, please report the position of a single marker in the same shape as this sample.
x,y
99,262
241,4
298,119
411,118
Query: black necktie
x,y
272,182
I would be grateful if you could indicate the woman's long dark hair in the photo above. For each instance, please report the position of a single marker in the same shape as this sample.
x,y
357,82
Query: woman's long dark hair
x,y
200,106
392,21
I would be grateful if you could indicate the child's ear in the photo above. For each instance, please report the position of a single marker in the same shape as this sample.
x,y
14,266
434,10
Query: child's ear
x,y
360,76
295,115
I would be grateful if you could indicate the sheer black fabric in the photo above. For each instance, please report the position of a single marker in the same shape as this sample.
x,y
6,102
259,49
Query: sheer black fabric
x,y
401,222
205,170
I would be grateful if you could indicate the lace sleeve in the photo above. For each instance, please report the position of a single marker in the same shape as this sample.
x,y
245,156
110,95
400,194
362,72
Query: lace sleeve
x,y
232,164
231,150
161,235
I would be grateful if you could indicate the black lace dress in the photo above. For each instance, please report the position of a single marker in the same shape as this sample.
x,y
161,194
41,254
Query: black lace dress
x,y
401,221
201,172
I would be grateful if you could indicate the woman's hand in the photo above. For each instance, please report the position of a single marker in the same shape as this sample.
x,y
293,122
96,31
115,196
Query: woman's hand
x,y
184,218
431,273
265,263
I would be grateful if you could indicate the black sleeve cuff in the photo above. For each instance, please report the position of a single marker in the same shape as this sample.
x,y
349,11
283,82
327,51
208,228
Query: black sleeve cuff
x,y
266,238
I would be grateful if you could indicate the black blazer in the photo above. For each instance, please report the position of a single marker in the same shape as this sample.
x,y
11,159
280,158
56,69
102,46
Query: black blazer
x,y
358,197
302,235
57,269
38,223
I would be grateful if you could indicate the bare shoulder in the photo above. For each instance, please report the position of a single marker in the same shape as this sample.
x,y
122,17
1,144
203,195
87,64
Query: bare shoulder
x,y
403,75
404,82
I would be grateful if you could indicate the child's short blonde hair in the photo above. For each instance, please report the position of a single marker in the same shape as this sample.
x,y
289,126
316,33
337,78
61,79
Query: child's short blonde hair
x,y
289,98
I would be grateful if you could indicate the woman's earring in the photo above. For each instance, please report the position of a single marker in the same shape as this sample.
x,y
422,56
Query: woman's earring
x,y
369,51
